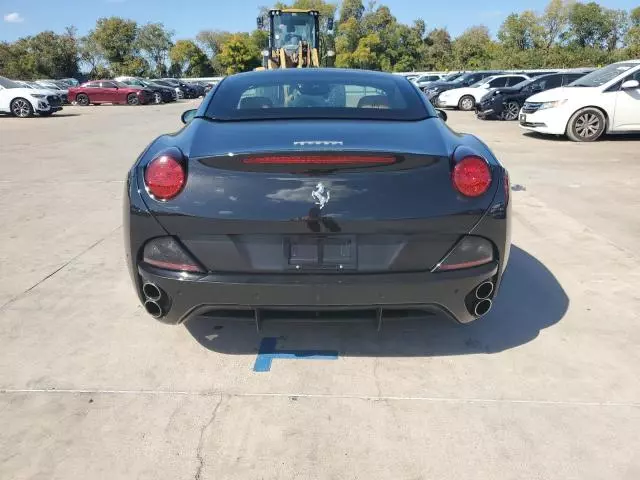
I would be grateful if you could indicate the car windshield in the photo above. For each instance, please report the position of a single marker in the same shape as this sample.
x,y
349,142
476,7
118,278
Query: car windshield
x,y
315,95
461,78
481,82
602,76
6,83
451,77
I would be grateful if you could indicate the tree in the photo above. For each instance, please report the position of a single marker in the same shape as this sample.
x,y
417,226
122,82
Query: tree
x,y
521,31
351,9
618,25
116,38
239,54
189,59
439,50
211,41
589,25
154,41
554,22
90,52
473,48
632,38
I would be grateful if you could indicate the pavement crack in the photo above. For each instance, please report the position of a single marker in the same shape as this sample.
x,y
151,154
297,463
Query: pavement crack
x,y
376,363
203,430
60,268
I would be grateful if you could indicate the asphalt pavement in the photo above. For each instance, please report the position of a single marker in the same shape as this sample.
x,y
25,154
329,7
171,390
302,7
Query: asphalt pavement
x,y
547,386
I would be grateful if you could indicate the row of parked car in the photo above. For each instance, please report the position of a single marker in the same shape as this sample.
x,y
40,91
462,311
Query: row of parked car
x,y
583,104
45,97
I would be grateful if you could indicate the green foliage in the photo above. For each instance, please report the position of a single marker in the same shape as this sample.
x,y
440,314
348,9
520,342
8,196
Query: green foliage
x,y
116,38
189,59
154,41
45,55
239,54
566,34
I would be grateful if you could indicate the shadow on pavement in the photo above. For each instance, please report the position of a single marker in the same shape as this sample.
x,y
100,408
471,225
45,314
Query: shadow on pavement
x,y
529,300
613,137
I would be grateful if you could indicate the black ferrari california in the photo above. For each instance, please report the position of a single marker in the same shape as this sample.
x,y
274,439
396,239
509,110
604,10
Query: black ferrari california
x,y
316,191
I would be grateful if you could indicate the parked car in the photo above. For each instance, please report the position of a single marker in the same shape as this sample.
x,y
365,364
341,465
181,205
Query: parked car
x,y
179,91
109,91
189,91
61,89
21,101
318,219
604,101
161,93
465,80
505,103
198,87
424,80
467,97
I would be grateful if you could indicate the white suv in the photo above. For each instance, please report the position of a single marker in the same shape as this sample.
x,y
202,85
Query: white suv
x,y
604,101
467,97
23,102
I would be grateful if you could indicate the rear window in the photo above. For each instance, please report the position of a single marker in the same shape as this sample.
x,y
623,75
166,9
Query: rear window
x,y
317,94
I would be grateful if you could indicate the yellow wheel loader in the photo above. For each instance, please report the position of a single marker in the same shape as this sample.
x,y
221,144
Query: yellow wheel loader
x,y
294,39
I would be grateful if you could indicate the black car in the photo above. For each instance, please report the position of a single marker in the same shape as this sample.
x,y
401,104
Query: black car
x,y
189,90
505,103
161,93
436,88
198,87
284,194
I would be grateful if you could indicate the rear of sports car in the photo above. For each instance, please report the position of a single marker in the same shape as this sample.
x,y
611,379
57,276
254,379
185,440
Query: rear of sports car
x,y
258,211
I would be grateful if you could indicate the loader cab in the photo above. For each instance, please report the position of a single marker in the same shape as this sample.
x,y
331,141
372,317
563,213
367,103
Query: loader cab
x,y
289,28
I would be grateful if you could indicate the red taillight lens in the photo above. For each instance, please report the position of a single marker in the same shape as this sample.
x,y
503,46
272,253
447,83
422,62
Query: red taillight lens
x,y
164,177
472,176
320,160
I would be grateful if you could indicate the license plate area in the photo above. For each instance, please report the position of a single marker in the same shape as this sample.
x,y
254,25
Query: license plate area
x,y
318,252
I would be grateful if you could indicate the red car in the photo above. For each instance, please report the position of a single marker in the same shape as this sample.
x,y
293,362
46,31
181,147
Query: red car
x,y
109,91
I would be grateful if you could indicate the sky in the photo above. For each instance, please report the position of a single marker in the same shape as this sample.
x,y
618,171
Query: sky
x,y
21,18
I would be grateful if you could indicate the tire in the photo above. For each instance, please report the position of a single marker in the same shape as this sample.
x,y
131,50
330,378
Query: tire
x,y
586,125
157,98
132,99
467,103
510,112
21,108
82,99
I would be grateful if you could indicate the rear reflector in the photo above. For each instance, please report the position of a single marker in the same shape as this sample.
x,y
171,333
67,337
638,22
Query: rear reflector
x,y
320,160
472,176
167,254
469,252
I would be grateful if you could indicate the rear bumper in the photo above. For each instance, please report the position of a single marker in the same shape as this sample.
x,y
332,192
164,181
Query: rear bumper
x,y
186,296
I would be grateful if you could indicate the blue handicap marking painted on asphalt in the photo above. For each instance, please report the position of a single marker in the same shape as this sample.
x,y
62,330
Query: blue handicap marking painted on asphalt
x,y
268,353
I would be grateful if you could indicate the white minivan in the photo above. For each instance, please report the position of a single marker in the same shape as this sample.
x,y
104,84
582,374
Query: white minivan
x,y
604,101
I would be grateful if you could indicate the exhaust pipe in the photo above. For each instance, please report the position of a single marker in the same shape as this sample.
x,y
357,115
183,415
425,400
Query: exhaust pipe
x,y
484,290
153,309
152,292
482,307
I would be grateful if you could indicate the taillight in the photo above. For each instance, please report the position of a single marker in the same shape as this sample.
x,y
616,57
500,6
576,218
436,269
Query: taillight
x,y
164,177
166,253
320,160
472,176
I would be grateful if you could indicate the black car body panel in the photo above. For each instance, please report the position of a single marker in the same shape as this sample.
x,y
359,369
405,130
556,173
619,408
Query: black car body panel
x,y
238,220
493,104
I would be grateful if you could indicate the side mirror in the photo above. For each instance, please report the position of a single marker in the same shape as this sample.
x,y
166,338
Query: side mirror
x,y
330,24
442,114
630,85
188,115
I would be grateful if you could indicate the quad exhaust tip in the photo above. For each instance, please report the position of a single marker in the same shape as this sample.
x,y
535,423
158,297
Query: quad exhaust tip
x,y
482,307
152,292
484,290
153,308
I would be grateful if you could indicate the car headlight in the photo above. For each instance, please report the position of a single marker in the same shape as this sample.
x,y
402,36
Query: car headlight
x,y
554,104
38,95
